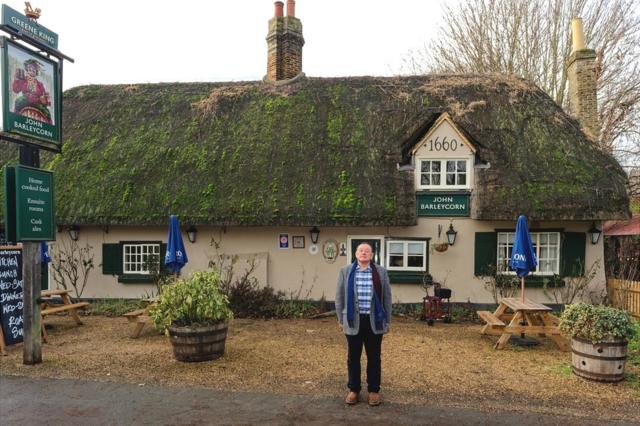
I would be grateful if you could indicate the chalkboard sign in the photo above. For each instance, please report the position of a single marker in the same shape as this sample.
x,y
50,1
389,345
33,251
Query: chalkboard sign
x,y
11,300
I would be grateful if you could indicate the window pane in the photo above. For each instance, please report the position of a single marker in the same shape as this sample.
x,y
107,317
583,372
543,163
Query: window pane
x,y
451,179
502,238
396,248
416,248
424,166
544,252
424,179
462,166
395,261
415,261
435,180
462,179
553,238
544,238
435,166
511,236
451,166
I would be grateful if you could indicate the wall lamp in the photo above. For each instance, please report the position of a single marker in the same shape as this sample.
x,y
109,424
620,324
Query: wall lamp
x,y
594,233
315,233
191,233
74,232
451,235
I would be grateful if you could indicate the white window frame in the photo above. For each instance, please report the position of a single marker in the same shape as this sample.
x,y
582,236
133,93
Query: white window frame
x,y
405,255
143,250
443,173
502,262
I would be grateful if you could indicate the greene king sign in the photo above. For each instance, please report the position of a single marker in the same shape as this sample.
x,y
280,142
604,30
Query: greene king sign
x,y
18,22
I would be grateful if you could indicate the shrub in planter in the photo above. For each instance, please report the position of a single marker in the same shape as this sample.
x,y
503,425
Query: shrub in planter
x,y
599,336
195,315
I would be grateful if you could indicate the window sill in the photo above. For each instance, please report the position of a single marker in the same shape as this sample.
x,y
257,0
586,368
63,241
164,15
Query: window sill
x,y
135,279
406,277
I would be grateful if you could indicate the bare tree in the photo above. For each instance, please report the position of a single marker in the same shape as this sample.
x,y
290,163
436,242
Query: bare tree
x,y
71,265
532,39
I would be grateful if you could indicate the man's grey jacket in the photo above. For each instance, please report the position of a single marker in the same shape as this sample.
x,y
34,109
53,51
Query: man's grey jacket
x,y
341,302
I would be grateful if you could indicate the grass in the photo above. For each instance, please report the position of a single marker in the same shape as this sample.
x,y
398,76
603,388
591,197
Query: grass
x,y
113,307
563,369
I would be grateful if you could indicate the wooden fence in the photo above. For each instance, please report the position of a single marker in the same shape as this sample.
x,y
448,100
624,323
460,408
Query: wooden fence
x,y
625,294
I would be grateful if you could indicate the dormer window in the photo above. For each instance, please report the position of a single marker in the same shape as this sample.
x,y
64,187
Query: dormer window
x,y
444,158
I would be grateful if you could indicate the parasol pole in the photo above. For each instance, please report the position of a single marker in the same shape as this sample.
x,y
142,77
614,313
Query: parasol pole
x,y
522,289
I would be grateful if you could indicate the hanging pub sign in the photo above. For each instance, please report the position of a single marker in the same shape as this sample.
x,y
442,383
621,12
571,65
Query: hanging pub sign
x,y
31,94
442,205
29,211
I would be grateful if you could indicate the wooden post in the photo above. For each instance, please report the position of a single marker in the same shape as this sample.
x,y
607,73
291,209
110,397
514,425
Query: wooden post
x,y
522,289
31,277
31,281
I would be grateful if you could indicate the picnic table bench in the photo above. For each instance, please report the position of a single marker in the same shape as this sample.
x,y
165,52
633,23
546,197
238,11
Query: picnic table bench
x,y
527,317
140,317
49,305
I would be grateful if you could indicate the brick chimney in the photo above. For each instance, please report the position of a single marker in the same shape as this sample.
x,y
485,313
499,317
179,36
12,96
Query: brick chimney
x,y
583,81
284,43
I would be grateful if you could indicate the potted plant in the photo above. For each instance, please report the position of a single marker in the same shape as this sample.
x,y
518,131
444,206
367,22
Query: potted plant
x,y
195,315
599,336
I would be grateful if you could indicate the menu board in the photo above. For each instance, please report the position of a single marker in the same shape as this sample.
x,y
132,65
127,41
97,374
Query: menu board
x,y
11,300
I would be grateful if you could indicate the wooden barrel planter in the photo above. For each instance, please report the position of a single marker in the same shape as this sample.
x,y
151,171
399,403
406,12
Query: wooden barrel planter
x,y
195,344
602,361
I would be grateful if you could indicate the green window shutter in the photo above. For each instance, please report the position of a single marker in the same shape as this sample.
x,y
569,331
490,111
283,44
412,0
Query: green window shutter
x,y
112,259
572,254
485,252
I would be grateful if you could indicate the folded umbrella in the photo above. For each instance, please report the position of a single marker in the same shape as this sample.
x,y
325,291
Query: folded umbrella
x,y
523,256
176,256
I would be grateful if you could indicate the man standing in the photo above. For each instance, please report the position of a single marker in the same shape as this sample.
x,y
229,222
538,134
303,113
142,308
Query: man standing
x,y
363,307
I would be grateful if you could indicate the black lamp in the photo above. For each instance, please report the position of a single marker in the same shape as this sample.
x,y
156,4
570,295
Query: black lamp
x,y
191,233
74,232
315,233
594,233
451,235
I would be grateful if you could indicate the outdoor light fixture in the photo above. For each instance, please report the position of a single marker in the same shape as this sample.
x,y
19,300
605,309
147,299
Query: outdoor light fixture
x,y
451,235
74,232
191,233
315,233
594,233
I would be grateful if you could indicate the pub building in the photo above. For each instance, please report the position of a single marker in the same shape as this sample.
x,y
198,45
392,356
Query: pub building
x,y
292,172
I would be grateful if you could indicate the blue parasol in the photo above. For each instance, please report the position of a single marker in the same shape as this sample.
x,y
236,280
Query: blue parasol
x,y
176,256
44,253
523,256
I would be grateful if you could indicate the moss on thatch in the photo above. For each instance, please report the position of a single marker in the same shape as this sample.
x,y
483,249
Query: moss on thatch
x,y
318,151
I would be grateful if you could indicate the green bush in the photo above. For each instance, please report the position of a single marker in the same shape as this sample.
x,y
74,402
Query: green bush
x,y
196,301
596,323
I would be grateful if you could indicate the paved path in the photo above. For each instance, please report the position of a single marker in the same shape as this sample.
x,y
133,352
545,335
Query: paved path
x,y
25,401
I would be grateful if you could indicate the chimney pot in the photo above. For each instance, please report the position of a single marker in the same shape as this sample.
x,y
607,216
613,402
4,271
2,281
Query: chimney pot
x,y
577,34
279,9
291,8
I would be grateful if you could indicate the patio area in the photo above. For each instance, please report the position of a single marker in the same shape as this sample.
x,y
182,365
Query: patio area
x,y
448,364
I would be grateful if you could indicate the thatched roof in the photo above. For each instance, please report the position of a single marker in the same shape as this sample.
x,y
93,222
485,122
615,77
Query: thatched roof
x,y
318,151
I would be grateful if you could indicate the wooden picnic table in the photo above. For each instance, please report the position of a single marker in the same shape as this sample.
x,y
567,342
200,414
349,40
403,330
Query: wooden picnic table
x,y
140,317
525,317
49,304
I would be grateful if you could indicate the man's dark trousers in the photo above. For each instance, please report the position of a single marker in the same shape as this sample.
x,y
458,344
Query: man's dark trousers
x,y
372,345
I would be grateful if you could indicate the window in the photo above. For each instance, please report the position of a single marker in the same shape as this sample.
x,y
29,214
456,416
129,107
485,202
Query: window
x,y
136,257
406,255
444,174
545,244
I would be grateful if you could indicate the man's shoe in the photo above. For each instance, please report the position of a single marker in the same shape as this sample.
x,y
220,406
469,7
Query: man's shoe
x,y
374,399
352,398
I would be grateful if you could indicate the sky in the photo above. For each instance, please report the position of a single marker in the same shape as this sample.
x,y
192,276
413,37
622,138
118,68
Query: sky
x,y
141,41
